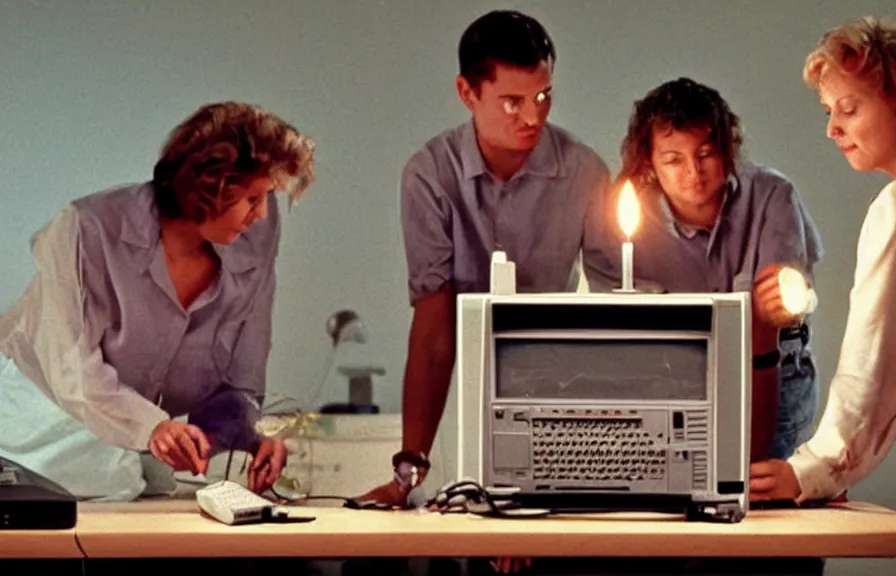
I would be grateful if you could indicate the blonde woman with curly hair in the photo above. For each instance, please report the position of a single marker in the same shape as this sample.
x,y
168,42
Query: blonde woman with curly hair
x,y
151,302
853,69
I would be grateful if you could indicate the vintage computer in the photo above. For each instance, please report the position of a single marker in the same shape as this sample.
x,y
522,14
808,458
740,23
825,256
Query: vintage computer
x,y
615,401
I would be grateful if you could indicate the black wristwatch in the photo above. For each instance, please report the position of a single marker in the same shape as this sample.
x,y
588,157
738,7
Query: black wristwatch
x,y
767,360
410,468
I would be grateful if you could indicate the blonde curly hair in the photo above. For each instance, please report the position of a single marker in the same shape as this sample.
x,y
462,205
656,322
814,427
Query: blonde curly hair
x,y
223,145
864,48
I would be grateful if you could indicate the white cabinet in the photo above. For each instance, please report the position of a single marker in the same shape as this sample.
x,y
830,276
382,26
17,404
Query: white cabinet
x,y
347,455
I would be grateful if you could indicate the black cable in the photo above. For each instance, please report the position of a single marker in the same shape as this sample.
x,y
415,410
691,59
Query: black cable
x,y
468,496
465,496
288,500
229,460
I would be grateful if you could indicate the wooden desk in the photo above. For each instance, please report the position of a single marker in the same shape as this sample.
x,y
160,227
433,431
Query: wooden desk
x,y
28,544
177,529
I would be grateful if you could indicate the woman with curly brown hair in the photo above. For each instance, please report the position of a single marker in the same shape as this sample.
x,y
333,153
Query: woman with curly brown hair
x,y
150,302
853,70
715,222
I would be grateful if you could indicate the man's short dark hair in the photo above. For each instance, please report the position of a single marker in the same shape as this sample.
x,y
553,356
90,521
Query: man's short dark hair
x,y
502,36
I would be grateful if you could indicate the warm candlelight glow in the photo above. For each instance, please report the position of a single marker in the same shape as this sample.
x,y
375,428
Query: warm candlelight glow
x,y
628,210
629,214
796,295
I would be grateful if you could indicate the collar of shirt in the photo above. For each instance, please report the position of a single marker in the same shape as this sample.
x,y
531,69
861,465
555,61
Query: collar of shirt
x,y
140,228
542,161
680,229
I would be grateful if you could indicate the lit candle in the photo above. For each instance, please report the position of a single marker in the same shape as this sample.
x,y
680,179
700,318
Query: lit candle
x,y
628,257
629,214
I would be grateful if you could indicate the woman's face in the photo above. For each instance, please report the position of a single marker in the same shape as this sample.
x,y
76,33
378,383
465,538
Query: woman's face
x,y
251,204
689,169
860,121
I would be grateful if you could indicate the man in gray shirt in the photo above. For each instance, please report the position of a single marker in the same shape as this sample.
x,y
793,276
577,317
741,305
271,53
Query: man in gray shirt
x,y
507,180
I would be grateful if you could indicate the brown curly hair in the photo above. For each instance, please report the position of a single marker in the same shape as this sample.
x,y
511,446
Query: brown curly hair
x,y
223,145
681,104
864,47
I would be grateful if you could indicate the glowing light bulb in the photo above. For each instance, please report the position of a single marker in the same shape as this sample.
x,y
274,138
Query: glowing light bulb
x,y
796,295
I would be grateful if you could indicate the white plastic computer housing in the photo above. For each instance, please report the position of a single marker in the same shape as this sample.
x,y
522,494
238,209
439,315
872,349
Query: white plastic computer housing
x,y
637,393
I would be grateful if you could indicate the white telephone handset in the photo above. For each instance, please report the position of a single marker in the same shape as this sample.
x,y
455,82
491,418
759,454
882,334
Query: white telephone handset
x,y
231,503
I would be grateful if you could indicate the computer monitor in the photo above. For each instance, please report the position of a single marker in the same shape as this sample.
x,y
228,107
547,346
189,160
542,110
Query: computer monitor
x,y
628,394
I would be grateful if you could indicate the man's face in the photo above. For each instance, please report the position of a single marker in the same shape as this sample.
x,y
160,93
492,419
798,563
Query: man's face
x,y
510,110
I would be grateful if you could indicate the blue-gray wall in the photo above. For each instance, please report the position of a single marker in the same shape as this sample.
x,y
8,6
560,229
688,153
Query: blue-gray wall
x,y
89,90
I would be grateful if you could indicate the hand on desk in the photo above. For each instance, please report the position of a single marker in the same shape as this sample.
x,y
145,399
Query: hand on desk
x,y
389,493
267,464
181,446
773,480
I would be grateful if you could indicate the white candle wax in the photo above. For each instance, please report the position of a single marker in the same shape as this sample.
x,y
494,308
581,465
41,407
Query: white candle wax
x,y
627,263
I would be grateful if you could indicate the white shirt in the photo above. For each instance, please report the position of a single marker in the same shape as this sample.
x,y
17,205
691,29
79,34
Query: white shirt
x,y
857,429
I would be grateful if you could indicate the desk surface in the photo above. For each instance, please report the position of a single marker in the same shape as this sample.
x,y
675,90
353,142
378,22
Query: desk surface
x,y
158,528
39,544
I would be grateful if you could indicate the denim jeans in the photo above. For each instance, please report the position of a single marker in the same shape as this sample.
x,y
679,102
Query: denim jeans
x,y
797,398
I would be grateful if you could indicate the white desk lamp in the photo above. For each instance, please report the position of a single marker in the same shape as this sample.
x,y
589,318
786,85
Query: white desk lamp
x,y
346,326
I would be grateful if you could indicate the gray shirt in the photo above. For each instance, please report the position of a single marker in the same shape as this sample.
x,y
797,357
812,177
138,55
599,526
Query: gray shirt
x,y
100,329
762,222
455,213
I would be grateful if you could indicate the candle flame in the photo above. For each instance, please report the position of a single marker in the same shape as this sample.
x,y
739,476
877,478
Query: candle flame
x,y
628,210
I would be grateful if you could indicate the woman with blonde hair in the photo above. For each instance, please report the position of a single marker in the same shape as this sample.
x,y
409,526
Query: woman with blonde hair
x,y
853,69
150,302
